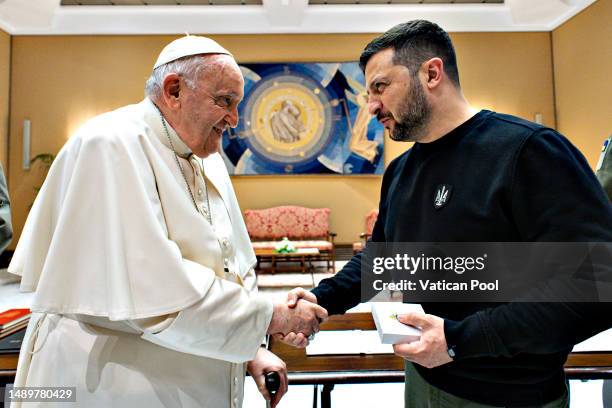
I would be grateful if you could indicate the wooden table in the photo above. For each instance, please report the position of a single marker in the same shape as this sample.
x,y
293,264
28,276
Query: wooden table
x,y
383,368
304,256
327,371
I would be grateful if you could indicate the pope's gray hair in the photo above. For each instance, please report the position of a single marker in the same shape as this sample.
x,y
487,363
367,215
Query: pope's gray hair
x,y
189,68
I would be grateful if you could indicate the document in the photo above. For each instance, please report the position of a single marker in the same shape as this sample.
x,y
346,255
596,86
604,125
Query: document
x,y
599,342
334,342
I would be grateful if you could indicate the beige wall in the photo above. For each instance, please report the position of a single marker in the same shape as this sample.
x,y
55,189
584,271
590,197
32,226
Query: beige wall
x,y
5,62
582,60
58,82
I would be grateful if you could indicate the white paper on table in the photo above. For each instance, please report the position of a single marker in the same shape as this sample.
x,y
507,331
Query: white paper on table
x,y
347,342
599,342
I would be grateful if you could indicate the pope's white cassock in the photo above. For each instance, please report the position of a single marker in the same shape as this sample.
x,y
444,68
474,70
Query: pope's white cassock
x,y
139,301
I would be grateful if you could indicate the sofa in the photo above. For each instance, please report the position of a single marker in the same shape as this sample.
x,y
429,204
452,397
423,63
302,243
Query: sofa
x,y
305,227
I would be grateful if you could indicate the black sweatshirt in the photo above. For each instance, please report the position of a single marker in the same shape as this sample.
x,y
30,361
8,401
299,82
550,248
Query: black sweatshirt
x,y
513,181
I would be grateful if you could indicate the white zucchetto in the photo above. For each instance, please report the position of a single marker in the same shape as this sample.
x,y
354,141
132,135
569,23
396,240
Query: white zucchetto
x,y
186,46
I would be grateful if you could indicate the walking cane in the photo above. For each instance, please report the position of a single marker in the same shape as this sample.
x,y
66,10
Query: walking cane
x,y
272,385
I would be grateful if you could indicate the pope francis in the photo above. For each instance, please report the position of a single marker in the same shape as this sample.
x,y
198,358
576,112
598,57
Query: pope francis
x,y
142,268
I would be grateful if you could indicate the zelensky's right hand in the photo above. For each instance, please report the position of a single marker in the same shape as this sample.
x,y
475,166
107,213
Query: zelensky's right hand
x,y
299,293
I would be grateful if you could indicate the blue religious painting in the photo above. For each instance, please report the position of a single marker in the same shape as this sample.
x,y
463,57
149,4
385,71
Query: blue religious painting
x,y
304,119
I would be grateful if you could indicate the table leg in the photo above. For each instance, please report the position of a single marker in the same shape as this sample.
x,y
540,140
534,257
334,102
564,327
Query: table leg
x,y
315,396
326,395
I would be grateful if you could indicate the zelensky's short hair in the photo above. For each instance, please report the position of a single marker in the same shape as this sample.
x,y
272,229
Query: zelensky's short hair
x,y
415,42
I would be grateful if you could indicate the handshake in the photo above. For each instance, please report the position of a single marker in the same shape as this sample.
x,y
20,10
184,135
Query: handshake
x,y
297,320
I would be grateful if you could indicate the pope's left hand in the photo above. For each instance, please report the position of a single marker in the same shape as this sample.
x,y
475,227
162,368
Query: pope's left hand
x,y
265,362
431,350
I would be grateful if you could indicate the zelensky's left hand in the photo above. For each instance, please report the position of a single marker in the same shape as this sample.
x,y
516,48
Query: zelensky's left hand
x,y
265,361
431,350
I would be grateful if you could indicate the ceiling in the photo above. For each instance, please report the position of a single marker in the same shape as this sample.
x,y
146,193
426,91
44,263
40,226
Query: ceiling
x,y
57,17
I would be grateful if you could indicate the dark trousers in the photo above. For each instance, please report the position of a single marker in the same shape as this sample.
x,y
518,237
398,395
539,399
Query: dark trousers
x,y
420,394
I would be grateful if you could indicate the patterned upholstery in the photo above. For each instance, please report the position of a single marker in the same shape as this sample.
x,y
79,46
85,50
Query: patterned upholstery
x,y
305,227
287,221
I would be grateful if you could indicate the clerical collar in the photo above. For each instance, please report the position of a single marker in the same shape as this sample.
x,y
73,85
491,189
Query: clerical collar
x,y
180,147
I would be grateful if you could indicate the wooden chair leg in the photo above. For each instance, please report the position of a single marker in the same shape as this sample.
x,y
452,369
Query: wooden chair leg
x,y
333,256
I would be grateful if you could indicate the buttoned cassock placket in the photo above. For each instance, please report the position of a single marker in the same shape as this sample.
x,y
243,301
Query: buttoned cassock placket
x,y
205,194
210,204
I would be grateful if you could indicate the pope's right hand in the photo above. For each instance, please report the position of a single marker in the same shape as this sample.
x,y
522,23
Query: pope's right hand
x,y
294,338
297,317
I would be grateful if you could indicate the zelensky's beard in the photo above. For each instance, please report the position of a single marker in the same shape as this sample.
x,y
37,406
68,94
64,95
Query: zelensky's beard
x,y
413,116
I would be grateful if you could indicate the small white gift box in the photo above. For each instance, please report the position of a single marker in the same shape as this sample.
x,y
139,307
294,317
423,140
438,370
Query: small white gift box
x,y
390,330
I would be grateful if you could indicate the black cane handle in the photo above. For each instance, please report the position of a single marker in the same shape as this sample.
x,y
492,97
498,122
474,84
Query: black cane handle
x,y
272,382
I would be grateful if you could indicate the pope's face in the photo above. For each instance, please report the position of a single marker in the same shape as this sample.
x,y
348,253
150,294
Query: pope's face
x,y
396,97
212,106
